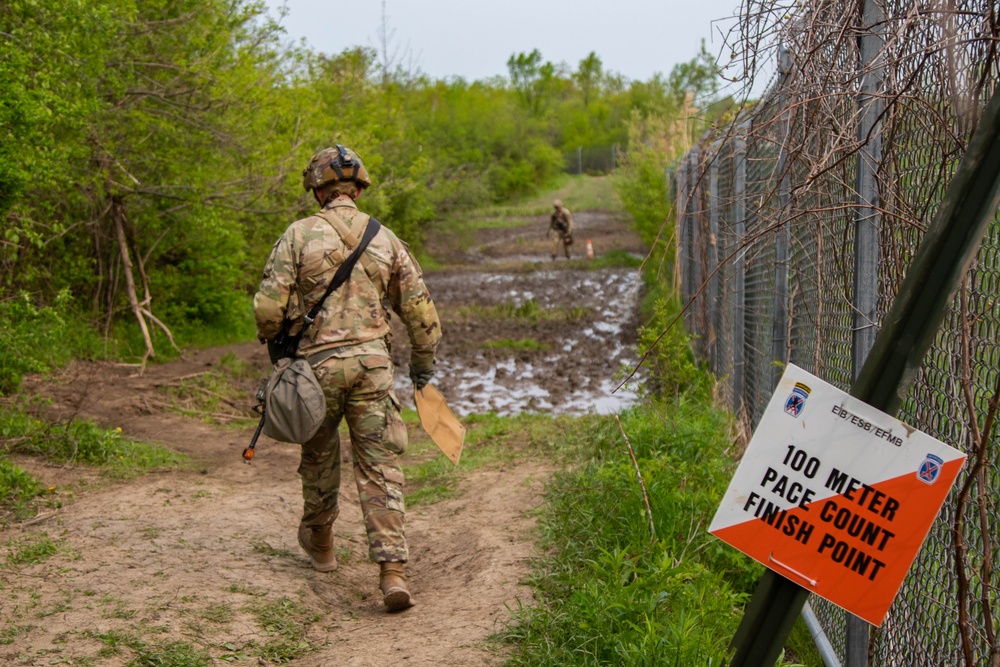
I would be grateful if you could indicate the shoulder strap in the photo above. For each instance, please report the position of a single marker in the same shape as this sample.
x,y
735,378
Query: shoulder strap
x,y
285,345
344,270
349,235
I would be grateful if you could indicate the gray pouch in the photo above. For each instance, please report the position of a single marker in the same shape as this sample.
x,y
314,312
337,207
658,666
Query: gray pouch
x,y
294,403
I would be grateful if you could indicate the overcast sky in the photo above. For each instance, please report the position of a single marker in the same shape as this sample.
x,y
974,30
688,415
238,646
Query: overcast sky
x,y
473,38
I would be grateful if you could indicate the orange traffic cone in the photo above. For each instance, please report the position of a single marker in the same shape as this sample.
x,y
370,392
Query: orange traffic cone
x,y
590,250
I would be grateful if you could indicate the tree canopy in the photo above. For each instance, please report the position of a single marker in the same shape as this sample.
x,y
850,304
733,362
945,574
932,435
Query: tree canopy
x,y
152,151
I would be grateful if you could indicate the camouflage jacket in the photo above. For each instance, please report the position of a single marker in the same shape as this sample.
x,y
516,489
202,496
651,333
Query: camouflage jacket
x,y
353,319
561,221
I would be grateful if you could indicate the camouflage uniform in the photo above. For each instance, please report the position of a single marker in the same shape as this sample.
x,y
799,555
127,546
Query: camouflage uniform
x,y
561,223
351,337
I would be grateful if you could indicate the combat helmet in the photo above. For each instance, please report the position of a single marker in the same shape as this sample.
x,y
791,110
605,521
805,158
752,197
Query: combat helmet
x,y
335,164
557,203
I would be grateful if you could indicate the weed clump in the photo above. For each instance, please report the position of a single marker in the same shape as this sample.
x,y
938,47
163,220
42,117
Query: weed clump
x,y
66,443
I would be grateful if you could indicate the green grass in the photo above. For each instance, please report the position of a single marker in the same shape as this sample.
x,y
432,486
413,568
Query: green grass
x,y
491,440
246,589
18,490
115,642
81,441
12,631
528,311
501,222
76,442
610,593
578,192
172,654
613,259
283,621
518,345
287,622
261,546
31,549
800,646
218,613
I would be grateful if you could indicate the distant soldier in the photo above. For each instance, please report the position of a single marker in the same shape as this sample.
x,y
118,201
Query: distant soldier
x,y
347,345
561,223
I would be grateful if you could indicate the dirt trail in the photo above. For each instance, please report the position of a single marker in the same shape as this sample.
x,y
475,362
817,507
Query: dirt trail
x,y
195,555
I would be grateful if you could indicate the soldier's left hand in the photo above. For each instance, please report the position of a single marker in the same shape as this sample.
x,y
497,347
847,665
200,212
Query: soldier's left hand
x,y
420,378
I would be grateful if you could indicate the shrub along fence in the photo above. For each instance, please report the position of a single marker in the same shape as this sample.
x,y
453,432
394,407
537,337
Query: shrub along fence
x,y
796,224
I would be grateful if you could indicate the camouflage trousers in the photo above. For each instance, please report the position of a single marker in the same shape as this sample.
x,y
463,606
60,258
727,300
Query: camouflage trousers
x,y
562,241
359,389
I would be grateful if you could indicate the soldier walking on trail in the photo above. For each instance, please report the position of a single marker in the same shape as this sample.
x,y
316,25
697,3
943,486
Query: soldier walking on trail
x,y
561,223
348,347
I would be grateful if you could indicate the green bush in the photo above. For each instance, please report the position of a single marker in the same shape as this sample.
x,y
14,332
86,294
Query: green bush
x,y
17,488
511,180
670,367
201,275
642,188
33,338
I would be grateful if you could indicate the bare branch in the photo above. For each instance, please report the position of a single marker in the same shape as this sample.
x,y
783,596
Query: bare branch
x,y
638,474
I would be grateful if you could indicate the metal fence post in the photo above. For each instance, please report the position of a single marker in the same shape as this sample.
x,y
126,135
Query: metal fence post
x,y
681,192
714,284
866,239
779,330
694,215
739,266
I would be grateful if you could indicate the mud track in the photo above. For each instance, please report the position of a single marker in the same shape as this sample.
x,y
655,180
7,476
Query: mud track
x,y
163,556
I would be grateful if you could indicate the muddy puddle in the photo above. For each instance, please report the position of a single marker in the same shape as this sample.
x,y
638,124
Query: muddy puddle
x,y
547,340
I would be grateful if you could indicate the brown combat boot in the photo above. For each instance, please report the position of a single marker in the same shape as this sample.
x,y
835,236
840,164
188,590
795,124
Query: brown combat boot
x,y
317,542
392,581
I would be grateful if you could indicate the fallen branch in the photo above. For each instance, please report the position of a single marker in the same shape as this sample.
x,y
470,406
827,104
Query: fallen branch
x,y
209,392
183,377
155,320
38,519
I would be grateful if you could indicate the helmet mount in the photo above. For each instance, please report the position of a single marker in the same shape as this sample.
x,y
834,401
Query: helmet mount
x,y
332,165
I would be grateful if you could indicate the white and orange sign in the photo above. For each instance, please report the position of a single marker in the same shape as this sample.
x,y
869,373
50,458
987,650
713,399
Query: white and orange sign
x,y
836,495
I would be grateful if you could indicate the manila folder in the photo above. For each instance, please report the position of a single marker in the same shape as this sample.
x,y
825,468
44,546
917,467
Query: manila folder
x,y
439,422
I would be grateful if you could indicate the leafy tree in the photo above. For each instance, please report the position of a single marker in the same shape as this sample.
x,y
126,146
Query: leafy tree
x,y
143,117
700,76
152,151
588,76
663,125
533,79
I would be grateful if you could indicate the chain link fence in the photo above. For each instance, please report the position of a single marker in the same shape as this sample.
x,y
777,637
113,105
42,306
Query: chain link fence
x,y
796,224
592,159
